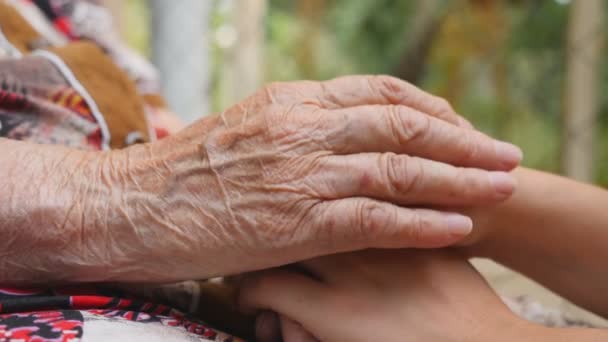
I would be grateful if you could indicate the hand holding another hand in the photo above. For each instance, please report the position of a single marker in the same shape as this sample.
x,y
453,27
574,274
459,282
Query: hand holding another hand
x,y
296,171
305,169
398,295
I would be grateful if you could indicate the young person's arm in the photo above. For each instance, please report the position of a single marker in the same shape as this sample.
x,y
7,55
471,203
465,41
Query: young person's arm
x,y
398,295
554,230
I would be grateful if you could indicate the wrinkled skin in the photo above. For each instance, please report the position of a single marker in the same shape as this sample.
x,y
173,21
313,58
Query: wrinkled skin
x,y
296,171
381,295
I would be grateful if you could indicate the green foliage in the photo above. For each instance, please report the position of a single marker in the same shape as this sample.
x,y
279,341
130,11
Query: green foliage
x,y
136,19
541,25
373,32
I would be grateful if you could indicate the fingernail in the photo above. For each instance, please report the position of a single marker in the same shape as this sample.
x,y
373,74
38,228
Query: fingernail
x,y
459,225
509,154
504,184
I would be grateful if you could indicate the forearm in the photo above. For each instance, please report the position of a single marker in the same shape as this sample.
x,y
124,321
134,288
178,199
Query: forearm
x,y
554,230
44,193
529,332
151,212
570,334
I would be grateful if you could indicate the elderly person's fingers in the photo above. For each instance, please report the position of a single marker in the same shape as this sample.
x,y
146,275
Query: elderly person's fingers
x,y
349,91
359,223
408,180
401,129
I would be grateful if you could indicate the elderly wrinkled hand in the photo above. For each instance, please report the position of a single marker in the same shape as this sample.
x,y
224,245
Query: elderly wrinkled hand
x,y
296,171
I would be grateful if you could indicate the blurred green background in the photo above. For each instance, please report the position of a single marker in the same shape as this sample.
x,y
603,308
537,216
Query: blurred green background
x,y
502,64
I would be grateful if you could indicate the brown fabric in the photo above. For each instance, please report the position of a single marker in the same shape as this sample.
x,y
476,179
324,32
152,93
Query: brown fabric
x,y
114,93
112,90
155,100
17,30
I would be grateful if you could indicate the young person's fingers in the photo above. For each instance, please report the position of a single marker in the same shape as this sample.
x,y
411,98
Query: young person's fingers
x,y
323,268
268,327
283,291
292,331
271,327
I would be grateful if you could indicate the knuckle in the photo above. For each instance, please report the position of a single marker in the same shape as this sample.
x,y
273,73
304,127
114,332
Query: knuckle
x,y
418,225
469,179
273,87
464,123
280,122
443,107
396,172
464,186
274,92
469,149
374,218
391,83
406,125
323,225
381,79
386,86
403,173
474,187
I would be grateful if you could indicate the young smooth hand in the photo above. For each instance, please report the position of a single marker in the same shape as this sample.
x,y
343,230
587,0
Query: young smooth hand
x,y
383,295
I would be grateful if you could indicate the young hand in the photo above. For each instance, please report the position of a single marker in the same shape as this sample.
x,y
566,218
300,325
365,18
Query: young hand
x,y
403,295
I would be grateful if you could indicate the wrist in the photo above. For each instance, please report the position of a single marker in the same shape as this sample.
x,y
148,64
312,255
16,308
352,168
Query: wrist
x,y
525,331
165,220
44,211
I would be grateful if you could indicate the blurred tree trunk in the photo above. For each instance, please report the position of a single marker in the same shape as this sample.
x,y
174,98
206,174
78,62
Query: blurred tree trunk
x,y
581,94
243,65
428,18
311,12
181,51
492,18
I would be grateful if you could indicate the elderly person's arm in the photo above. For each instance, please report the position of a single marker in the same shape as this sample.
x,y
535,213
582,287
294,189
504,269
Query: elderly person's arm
x,y
298,170
554,230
